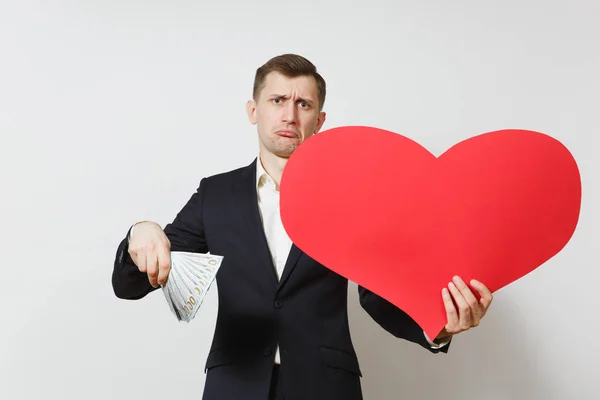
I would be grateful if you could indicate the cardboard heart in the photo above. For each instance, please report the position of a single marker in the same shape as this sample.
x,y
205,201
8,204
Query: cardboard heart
x,y
382,211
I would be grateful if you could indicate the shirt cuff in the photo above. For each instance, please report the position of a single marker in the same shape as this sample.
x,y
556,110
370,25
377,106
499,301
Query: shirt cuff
x,y
436,345
130,233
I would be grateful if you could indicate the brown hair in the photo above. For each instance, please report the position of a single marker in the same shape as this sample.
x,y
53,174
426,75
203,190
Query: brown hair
x,y
291,66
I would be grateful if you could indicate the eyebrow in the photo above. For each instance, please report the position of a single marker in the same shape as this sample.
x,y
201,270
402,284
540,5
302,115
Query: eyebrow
x,y
287,97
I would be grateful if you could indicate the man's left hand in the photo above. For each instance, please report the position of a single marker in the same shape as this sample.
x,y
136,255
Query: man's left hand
x,y
463,309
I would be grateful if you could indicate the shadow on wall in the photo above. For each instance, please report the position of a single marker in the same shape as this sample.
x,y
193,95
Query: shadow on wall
x,y
496,361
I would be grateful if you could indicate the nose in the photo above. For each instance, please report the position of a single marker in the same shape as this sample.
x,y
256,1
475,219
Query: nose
x,y
290,112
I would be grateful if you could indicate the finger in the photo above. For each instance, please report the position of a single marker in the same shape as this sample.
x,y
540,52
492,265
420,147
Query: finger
x,y
164,266
451,312
484,292
464,310
152,268
139,258
469,298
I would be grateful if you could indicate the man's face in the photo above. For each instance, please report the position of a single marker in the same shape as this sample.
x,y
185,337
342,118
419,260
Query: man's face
x,y
286,113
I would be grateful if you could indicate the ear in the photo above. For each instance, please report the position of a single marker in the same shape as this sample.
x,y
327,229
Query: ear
x,y
251,111
320,121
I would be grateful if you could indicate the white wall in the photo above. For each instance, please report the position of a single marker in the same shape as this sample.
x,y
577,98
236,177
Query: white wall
x,y
112,111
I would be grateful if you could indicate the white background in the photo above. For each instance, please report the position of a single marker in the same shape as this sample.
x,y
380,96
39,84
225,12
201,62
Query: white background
x,y
112,111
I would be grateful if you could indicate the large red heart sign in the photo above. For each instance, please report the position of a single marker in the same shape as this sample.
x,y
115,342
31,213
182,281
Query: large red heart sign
x,y
382,211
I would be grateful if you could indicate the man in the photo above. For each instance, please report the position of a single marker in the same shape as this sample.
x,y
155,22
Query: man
x,y
282,326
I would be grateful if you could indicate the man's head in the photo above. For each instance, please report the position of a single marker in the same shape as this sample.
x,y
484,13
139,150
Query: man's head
x,y
287,103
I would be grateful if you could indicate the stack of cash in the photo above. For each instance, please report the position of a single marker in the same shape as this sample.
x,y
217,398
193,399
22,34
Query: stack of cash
x,y
190,278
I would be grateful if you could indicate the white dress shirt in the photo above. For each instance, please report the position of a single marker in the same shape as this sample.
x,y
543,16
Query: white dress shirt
x,y
277,238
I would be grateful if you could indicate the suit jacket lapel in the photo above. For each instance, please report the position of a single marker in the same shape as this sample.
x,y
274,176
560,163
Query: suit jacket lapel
x,y
250,214
290,264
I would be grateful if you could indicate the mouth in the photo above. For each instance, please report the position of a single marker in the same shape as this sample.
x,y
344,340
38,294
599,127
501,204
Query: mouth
x,y
287,133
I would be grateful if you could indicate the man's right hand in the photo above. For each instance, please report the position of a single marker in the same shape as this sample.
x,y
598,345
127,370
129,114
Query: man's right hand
x,y
150,250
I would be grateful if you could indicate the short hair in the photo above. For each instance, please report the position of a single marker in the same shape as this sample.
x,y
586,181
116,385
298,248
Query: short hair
x,y
291,66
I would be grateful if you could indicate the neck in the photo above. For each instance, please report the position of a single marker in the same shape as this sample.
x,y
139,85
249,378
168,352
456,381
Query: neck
x,y
273,164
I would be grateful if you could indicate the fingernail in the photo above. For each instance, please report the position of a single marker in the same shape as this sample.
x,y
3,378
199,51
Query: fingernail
x,y
451,285
457,279
444,291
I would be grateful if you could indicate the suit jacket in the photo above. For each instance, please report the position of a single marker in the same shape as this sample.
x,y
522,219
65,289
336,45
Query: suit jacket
x,y
305,312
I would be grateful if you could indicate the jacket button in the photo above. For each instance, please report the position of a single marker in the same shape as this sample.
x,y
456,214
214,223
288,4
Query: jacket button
x,y
278,304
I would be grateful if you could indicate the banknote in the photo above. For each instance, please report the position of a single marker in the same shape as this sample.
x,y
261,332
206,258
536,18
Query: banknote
x,y
190,278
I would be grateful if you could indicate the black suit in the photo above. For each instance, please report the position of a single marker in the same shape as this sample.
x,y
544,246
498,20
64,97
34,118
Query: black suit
x,y
305,312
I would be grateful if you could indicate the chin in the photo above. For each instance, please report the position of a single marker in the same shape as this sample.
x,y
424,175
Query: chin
x,y
284,152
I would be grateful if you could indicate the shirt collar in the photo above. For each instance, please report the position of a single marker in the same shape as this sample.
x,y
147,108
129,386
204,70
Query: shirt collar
x,y
261,174
263,178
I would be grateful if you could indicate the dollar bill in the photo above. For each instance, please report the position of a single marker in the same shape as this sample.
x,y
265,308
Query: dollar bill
x,y
190,278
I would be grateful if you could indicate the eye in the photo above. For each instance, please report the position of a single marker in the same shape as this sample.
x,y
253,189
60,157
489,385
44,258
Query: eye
x,y
276,100
304,104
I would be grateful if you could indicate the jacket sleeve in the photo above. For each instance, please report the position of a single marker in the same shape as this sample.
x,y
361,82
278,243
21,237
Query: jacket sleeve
x,y
186,233
394,320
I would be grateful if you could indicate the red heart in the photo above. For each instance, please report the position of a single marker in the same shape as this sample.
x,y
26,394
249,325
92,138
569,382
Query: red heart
x,y
382,211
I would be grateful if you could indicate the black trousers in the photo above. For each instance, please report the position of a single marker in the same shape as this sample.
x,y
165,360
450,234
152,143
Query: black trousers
x,y
276,391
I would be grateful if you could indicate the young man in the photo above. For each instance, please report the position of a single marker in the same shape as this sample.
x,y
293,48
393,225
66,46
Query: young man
x,y
282,326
